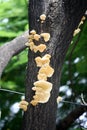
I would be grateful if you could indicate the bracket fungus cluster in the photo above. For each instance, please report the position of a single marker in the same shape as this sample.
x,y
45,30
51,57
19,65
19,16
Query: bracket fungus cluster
x,y
42,87
42,90
34,37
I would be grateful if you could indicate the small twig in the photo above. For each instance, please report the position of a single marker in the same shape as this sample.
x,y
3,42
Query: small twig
x,y
82,98
10,91
73,103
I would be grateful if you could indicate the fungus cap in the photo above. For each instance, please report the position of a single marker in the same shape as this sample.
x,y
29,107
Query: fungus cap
x,y
41,97
48,70
33,32
37,37
43,17
31,36
38,61
31,45
23,102
42,61
46,36
59,99
34,102
42,92
37,89
43,84
42,77
41,47
24,107
47,56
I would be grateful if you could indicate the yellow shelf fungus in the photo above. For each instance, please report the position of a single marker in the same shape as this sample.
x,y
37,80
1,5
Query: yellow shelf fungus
x,y
23,105
42,76
43,84
42,97
34,102
42,92
39,48
43,17
46,36
47,70
59,99
41,87
35,48
31,37
36,37
33,32
42,61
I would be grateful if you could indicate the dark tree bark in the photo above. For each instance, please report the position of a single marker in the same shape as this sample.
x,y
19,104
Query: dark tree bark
x,y
63,16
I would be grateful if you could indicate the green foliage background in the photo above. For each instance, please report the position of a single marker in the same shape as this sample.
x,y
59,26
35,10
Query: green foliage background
x,y
13,22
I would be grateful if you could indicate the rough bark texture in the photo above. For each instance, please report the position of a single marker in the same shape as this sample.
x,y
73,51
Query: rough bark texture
x,y
67,121
63,16
10,49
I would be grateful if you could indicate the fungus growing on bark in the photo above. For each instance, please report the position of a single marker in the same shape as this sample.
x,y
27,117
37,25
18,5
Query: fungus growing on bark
x,y
37,37
42,97
31,45
23,105
34,102
42,92
42,61
46,36
40,48
41,77
36,88
33,32
47,70
35,48
31,37
43,17
43,84
41,87
59,99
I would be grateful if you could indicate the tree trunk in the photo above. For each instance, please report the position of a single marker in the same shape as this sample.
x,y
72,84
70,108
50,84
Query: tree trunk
x,y
63,16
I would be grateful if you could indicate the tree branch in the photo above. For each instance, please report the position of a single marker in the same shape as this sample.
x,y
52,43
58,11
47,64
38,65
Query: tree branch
x,y
12,48
67,121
